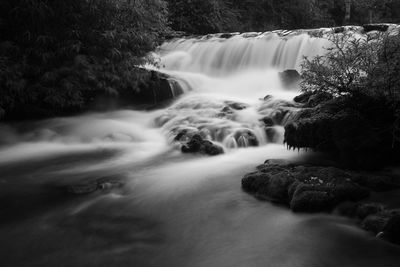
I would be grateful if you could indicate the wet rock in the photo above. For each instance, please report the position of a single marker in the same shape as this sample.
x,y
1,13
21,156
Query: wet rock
x,y
226,35
82,189
267,121
318,98
278,187
273,135
268,97
155,87
323,189
339,29
275,162
197,144
392,229
303,98
375,27
311,201
256,183
366,209
104,185
290,78
236,105
212,149
279,115
194,145
304,189
246,138
228,111
375,223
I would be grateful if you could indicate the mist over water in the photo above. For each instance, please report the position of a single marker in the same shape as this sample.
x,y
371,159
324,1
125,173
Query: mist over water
x,y
173,209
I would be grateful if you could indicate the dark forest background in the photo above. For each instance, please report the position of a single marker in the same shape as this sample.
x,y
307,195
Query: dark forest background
x,y
55,55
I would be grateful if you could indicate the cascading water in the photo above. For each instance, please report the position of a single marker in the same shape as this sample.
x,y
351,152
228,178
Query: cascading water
x,y
151,205
224,80
218,56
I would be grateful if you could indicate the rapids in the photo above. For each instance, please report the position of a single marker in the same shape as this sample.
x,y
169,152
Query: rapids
x,y
173,209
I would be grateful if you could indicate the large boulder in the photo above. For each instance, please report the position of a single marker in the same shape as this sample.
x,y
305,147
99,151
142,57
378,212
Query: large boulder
x,y
290,78
375,27
154,87
340,131
303,188
197,144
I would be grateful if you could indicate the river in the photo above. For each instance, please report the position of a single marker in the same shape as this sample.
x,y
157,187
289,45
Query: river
x,y
157,206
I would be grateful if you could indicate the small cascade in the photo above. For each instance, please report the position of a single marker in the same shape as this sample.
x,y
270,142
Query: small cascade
x,y
227,123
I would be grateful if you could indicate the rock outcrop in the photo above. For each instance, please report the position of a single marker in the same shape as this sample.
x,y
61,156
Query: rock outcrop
x,y
326,189
155,87
304,188
195,143
290,78
334,126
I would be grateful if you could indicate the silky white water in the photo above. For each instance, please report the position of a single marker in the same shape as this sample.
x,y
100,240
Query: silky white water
x,y
173,209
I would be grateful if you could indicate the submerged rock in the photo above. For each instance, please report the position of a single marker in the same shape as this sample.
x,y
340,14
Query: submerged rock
x,y
236,105
385,225
245,138
197,144
290,78
91,187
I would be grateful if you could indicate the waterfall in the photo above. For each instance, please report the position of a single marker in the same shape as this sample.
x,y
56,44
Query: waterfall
x,y
226,77
218,56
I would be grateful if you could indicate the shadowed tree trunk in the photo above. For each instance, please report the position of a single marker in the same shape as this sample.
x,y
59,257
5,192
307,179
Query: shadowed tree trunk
x,y
348,11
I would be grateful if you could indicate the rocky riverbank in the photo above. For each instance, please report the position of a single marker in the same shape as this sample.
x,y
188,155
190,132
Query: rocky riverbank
x,y
153,88
359,132
305,188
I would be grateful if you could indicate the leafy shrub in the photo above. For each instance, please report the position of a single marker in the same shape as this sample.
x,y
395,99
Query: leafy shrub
x,y
365,71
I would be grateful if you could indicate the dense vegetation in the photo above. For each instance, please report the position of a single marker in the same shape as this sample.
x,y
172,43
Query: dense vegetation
x,y
56,54
205,16
352,95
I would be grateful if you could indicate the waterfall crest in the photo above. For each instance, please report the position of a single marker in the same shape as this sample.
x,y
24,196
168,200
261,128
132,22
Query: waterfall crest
x,y
218,56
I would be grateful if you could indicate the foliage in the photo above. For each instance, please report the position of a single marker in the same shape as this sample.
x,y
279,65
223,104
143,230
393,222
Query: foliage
x,y
208,16
356,65
54,54
202,16
365,70
367,11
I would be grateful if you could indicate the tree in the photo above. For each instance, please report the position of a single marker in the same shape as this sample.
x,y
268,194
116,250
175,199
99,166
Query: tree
x,y
202,16
55,53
